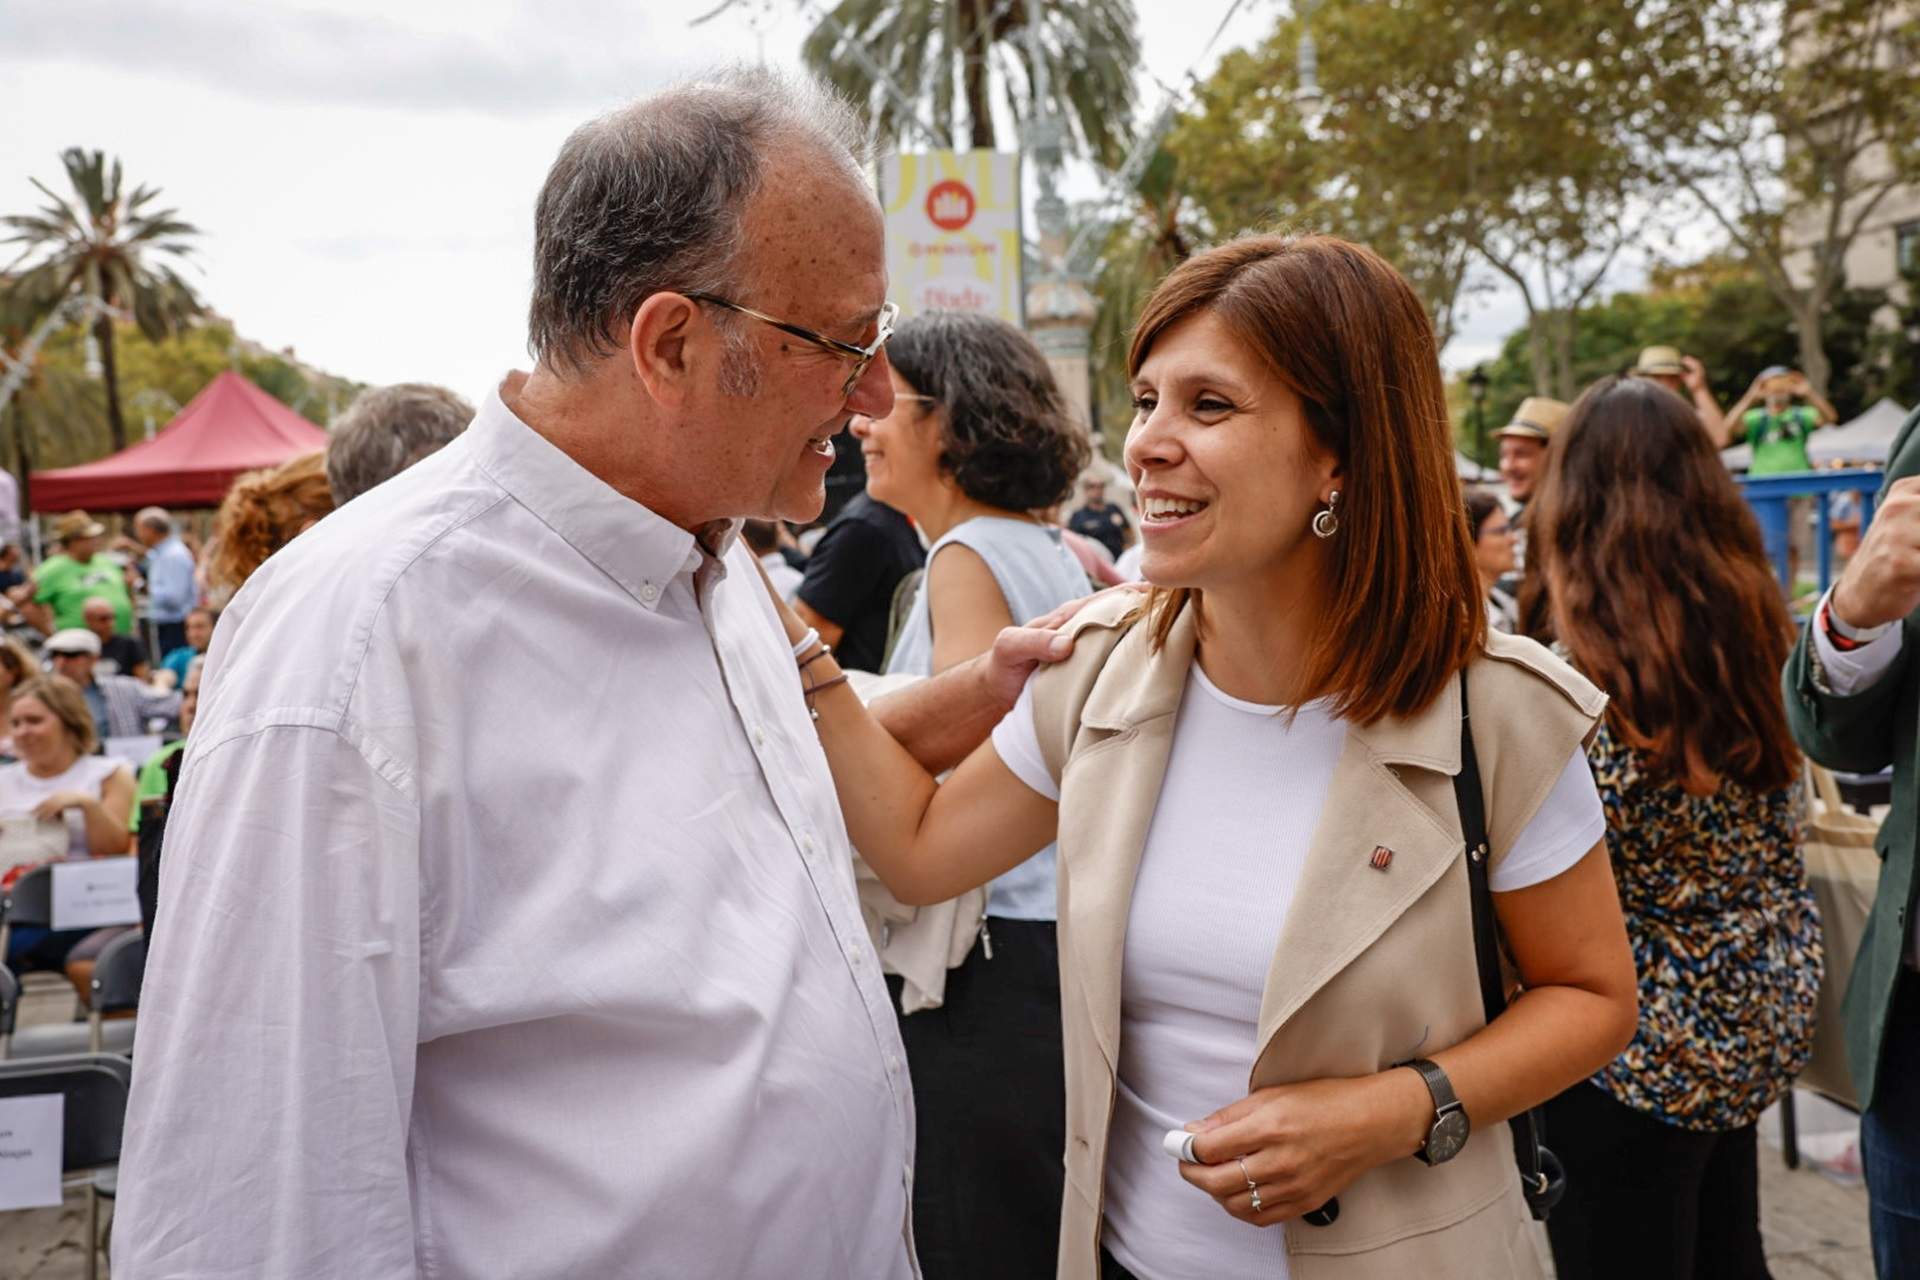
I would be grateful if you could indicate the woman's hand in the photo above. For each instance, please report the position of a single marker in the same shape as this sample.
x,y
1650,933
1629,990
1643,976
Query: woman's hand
x,y
58,803
1303,1144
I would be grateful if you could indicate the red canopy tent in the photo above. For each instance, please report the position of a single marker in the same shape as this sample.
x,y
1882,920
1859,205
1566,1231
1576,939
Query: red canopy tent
x,y
230,427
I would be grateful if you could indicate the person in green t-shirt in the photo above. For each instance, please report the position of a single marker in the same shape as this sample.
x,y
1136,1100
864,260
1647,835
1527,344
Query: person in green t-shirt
x,y
1779,427
64,583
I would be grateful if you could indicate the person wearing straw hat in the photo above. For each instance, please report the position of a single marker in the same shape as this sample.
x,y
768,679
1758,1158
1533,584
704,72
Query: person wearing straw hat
x,y
1686,377
1523,444
62,585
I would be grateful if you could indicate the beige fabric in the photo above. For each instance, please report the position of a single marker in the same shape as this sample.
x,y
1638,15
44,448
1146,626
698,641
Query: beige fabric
x,y
918,943
1372,967
1844,871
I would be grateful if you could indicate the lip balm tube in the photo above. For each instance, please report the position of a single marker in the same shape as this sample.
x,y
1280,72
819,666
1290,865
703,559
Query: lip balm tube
x,y
1179,1144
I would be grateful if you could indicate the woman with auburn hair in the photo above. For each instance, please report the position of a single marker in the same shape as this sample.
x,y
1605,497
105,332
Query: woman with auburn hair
x,y
1645,567
1278,1061
262,513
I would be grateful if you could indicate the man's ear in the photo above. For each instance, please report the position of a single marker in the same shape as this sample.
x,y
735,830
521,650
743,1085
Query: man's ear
x,y
664,346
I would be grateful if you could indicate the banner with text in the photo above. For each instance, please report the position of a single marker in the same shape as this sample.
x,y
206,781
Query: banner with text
x,y
953,232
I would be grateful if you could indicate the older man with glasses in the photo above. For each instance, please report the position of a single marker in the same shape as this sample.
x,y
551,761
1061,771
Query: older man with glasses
x,y
511,922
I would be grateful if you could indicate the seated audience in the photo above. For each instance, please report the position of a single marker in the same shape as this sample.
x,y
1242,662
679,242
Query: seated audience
x,y
199,629
58,777
65,581
153,794
388,429
17,666
120,655
121,706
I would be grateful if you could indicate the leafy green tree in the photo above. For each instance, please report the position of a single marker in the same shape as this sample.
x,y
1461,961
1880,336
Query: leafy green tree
x,y
1794,123
949,57
111,244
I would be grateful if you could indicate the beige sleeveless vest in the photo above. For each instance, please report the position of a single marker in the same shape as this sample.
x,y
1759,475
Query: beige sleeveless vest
x,y
1372,965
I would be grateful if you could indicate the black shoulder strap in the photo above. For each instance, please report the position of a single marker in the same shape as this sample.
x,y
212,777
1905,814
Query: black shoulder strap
x,y
1486,927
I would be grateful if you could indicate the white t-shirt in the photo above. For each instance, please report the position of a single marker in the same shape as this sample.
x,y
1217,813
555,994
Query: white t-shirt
x,y
21,792
1242,796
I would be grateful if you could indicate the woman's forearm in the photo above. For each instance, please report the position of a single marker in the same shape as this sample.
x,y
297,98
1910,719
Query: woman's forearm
x,y
939,721
104,835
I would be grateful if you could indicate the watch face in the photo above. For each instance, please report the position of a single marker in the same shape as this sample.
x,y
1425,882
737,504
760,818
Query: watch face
x,y
1449,1134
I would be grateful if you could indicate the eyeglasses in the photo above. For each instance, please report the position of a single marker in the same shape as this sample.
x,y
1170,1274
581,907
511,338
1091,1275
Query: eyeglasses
x,y
861,356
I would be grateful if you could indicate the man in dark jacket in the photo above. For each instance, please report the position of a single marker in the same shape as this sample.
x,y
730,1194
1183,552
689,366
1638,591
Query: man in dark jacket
x,y
1853,700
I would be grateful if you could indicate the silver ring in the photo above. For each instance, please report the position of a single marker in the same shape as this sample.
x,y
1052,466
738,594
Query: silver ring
x,y
1252,1186
1256,1199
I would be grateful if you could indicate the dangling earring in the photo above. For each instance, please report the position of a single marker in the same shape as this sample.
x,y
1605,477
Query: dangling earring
x,y
1326,523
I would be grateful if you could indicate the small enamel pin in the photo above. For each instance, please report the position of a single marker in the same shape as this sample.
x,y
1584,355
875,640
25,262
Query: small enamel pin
x,y
1382,858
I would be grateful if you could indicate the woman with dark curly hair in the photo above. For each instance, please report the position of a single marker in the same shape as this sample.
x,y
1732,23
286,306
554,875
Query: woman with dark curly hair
x,y
978,441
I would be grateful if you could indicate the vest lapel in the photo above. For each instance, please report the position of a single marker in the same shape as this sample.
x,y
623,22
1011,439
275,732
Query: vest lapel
x,y
1110,788
1376,851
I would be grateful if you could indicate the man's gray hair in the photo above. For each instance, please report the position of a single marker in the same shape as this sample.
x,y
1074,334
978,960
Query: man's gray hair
x,y
388,429
651,197
154,518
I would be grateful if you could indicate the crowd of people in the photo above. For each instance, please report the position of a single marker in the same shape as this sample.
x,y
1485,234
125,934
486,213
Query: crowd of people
x,y
588,862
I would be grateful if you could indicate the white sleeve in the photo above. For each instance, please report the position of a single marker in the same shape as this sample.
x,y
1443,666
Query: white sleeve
x,y
1852,670
1569,822
1017,743
279,1022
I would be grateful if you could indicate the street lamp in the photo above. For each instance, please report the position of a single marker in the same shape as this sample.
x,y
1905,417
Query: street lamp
x,y
1477,388
1307,96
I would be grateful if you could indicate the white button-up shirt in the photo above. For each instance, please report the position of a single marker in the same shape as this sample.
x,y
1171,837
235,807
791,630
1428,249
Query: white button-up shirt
x,y
507,925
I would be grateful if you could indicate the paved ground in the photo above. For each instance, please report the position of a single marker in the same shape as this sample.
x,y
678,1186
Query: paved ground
x,y
1815,1229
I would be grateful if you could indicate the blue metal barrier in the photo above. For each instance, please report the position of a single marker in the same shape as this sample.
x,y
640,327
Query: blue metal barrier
x,y
1769,496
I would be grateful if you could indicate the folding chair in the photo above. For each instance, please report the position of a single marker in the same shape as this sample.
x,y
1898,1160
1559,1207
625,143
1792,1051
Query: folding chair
x,y
9,1006
95,1088
116,989
29,903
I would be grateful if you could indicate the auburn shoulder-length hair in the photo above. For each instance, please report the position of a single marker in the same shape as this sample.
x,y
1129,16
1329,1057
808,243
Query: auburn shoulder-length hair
x,y
1644,563
1346,333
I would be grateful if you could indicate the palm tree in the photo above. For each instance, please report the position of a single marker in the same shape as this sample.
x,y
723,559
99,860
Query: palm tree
x,y
943,55
111,246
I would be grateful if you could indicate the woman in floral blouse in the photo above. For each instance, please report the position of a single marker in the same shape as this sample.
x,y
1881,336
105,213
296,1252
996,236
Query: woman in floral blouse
x,y
1646,569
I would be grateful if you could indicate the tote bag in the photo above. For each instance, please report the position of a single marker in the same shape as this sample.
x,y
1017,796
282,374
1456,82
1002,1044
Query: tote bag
x,y
1844,870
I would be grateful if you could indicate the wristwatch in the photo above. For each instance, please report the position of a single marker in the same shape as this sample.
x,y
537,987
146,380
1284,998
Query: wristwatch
x,y
1450,1123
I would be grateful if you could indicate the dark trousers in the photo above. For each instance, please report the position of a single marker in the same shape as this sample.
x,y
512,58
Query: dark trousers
x,y
1890,1140
170,636
989,1091
1651,1200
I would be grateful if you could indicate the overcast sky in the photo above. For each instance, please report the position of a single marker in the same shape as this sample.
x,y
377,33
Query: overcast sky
x,y
365,172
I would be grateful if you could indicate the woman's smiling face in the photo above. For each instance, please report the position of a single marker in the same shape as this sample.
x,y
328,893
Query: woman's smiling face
x,y
1227,467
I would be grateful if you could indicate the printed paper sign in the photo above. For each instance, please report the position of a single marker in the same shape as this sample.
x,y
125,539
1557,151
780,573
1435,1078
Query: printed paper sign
x,y
953,232
91,892
31,1131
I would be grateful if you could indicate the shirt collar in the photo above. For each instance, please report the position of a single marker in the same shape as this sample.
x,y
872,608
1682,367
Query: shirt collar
x,y
623,539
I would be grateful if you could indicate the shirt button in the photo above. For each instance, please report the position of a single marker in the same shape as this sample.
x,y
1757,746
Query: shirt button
x,y
759,738
893,1062
649,593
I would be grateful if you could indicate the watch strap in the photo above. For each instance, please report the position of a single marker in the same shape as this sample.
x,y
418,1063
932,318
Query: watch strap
x,y
1444,1098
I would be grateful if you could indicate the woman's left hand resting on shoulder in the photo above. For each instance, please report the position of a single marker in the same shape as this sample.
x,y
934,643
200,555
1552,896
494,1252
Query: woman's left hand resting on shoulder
x,y
1303,1144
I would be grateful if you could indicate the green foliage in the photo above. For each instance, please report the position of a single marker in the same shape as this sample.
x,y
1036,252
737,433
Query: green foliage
x,y
1725,316
108,244
63,409
953,59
